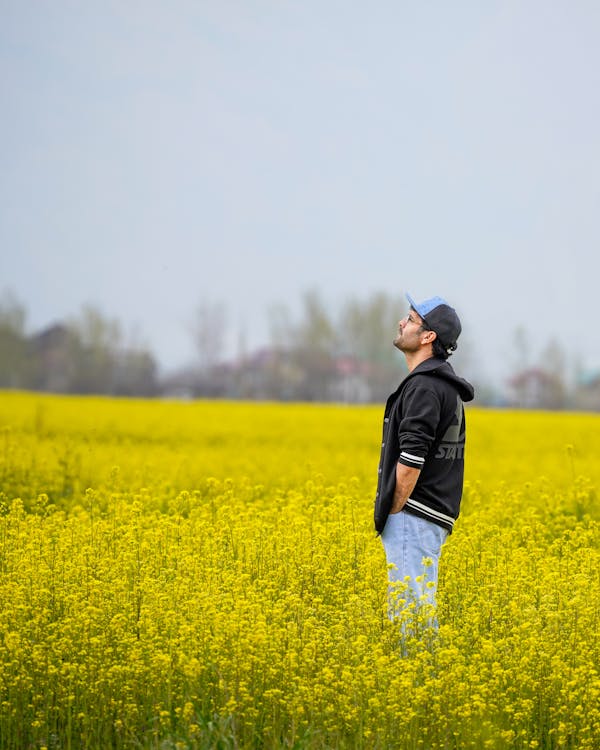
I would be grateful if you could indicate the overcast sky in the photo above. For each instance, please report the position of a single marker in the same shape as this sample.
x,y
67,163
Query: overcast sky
x,y
157,154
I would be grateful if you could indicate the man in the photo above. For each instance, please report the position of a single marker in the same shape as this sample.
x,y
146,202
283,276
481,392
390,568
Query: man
x,y
422,454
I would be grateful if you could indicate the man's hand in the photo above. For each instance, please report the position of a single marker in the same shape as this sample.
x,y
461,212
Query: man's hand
x,y
406,478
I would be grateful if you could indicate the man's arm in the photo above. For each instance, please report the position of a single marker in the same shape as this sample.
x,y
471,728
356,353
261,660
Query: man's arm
x,y
406,478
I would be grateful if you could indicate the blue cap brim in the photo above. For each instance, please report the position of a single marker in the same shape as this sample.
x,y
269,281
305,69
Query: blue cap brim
x,y
424,308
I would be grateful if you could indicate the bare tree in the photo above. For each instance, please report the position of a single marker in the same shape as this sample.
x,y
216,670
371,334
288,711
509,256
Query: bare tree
x,y
208,329
553,361
281,327
316,346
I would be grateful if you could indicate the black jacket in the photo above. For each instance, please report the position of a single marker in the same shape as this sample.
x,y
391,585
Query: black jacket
x,y
424,427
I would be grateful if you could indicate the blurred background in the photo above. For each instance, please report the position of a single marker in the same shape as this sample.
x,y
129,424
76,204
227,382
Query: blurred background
x,y
230,199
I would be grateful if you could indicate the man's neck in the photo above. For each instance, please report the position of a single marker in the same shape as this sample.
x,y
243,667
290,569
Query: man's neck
x,y
414,359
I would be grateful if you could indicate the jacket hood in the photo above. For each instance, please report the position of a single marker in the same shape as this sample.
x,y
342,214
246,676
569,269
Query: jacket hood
x,y
443,369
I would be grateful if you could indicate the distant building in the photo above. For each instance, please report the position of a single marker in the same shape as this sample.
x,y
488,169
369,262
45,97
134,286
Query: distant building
x,y
50,352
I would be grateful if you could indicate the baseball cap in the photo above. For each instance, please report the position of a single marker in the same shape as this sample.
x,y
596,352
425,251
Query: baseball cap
x,y
441,318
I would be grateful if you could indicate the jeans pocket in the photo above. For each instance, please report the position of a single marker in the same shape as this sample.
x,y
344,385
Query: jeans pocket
x,y
431,537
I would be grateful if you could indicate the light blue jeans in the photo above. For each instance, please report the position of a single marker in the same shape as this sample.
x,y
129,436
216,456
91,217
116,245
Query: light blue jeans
x,y
412,548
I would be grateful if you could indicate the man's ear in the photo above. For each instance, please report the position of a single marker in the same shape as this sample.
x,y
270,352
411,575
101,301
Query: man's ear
x,y
429,337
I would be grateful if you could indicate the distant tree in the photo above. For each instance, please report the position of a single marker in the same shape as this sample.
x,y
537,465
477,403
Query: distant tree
x,y
367,329
316,344
281,327
208,329
316,330
299,365
553,362
136,373
13,342
521,350
464,362
95,348
520,363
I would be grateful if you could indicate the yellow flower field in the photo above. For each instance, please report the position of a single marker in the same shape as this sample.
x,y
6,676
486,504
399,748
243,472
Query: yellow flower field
x,y
206,575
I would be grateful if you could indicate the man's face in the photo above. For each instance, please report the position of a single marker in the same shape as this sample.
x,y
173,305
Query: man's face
x,y
410,332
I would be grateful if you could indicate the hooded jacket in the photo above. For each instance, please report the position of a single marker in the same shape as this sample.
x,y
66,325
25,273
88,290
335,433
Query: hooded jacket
x,y
424,427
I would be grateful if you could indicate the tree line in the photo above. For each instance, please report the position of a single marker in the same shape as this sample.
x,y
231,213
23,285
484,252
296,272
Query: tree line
x,y
87,354
320,354
315,356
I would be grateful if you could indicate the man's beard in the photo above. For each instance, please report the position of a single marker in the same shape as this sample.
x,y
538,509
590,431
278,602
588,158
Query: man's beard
x,y
404,346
